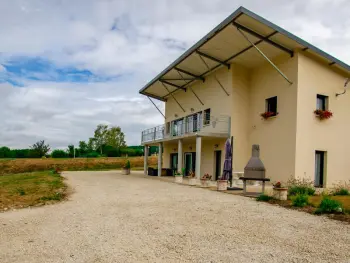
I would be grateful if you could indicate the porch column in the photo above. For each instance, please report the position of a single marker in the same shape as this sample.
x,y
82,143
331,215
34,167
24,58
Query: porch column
x,y
145,159
179,157
198,156
160,155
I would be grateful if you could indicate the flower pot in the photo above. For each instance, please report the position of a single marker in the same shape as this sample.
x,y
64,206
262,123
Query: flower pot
x,y
221,185
192,181
280,193
204,183
125,171
179,179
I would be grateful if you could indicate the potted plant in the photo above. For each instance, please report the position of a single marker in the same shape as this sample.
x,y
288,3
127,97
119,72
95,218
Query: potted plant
x,y
205,180
222,182
126,167
323,114
279,192
268,114
178,178
192,178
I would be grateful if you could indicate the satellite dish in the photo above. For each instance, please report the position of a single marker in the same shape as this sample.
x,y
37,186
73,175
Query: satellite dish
x,y
347,81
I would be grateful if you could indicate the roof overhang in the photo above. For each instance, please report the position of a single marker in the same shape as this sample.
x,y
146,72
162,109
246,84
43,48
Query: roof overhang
x,y
225,45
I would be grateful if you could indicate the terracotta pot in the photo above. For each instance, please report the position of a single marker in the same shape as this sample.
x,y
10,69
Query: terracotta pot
x,y
204,183
125,171
192,181
179,179
222,185
280,193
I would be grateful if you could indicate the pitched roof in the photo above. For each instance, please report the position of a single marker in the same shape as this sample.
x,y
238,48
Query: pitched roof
x,y
224,45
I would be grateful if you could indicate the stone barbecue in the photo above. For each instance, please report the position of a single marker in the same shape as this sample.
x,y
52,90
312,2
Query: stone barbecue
x,y
255,168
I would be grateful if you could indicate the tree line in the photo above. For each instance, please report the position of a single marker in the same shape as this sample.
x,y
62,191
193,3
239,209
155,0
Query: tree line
x,y
106,142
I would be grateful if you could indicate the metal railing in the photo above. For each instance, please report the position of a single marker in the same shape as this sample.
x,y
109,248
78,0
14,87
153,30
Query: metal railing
x,y
188,125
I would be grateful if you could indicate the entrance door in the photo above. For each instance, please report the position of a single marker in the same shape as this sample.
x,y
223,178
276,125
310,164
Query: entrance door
x,y
190,163
173,162
319,168
217,164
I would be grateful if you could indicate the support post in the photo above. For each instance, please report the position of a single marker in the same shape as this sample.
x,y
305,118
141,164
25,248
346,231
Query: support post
x,y
160,156
179,157
198,156
145,160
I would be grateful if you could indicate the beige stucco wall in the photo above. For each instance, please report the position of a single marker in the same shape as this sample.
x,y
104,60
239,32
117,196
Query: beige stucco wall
x,y
210,94
276,136
329,135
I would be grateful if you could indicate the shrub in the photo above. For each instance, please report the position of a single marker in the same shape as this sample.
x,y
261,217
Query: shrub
x,y
263,198
300,200
328,205
342,188
342,191
93,155
300,186
127,165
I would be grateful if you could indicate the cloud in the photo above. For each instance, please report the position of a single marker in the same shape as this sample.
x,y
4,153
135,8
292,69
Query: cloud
x,y
66,66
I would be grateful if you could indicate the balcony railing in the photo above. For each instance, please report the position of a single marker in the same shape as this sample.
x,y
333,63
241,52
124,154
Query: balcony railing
x,y
188,125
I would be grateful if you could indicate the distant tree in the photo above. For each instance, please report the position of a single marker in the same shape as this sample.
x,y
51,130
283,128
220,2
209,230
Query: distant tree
x,y
5,152
39,149
115,137
70,150
83,147
59,154
100,136
91,145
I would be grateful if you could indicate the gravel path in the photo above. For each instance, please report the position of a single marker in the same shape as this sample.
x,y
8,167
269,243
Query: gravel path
x,y
118,218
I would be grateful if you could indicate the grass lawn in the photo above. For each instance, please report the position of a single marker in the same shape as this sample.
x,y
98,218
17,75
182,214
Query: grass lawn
x,y
28,189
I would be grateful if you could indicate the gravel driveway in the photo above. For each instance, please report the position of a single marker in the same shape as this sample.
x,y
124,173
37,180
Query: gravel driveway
x,y
117,218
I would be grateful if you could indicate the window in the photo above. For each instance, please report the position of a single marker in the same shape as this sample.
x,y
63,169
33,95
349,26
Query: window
x,y
321,102
320,159
206,117
271,105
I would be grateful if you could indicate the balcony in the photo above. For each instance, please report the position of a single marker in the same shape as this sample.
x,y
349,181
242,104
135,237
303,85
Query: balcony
x,y
188,126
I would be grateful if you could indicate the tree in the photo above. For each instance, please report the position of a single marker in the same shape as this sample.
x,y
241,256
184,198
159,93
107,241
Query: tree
x,y
5,152
70,150
91,145
59,154
100,136
39,149
83,147
115,137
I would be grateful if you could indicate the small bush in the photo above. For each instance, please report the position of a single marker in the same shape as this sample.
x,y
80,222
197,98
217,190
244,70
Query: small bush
x,y
127,165
59,154
93,155
263,198
342,191
300,200
21,191
328,205
300,186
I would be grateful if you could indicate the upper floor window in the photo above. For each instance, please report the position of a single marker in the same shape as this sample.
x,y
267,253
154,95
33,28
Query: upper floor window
x,y
322,102
206,119
271,105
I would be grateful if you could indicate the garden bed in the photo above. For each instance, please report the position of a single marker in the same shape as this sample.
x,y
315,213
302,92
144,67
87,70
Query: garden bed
x,y
314,202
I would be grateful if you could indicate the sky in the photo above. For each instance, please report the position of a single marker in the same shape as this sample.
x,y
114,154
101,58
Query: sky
x,y
68,65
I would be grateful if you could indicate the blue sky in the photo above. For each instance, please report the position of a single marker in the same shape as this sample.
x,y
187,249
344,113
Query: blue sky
x,y
66,66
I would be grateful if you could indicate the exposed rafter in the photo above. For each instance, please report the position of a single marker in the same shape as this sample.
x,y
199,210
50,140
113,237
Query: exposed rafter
x,y
172,79
246,29
332,63
173,96
171,84
190,74
200,101
213,59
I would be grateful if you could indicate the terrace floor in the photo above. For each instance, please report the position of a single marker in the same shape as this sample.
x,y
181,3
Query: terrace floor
x,y
132,218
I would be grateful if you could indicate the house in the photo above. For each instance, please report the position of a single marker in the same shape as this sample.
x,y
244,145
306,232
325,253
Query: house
x,y
245,67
